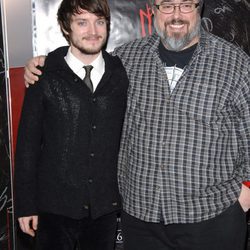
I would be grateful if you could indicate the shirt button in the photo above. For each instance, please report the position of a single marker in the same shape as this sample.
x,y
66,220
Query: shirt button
x,y
162,166
168,101
76,80
92,155
86,207
94,100
94,127
90,181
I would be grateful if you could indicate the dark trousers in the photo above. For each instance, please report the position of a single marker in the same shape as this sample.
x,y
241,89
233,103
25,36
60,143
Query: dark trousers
x,y
57,232
227,231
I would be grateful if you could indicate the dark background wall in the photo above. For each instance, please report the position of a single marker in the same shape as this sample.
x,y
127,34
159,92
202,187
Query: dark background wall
x,y
229,19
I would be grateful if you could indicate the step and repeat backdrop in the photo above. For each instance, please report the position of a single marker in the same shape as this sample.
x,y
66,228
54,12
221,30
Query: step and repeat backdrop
x,y
133,19
130,19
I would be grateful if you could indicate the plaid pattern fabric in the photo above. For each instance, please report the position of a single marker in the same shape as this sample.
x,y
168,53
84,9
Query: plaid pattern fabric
x,y
184,154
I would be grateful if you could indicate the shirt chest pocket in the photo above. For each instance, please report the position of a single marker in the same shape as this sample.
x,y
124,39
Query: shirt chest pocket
x,y
206,112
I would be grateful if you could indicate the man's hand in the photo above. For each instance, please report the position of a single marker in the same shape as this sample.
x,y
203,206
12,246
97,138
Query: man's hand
x,y
244,198
31,72
28,224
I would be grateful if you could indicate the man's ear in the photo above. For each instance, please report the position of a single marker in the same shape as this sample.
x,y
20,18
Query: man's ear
x,y
62,29
153,9
65,32
152,3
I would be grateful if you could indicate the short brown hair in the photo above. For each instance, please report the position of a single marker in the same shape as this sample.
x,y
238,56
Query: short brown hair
x,y
68,8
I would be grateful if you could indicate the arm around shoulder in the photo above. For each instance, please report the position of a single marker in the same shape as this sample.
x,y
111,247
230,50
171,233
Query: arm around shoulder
x,y
32,71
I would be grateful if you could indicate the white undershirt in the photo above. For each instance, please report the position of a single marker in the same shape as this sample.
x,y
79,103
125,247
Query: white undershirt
x,y
174,73
77,67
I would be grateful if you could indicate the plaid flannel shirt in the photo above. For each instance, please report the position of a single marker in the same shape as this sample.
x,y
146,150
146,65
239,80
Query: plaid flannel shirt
x,y
184,154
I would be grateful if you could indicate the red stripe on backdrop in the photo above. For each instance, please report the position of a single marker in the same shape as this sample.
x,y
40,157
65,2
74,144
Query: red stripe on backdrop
x,y
17,89
247,183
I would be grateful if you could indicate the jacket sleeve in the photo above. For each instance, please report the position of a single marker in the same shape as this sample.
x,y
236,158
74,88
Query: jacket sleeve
x,y
243,128
29,141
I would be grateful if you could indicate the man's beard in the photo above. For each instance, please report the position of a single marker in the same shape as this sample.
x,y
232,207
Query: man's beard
x,y
89,51
175,42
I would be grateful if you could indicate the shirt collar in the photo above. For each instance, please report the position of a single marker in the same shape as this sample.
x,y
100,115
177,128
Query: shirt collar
x,y
76,65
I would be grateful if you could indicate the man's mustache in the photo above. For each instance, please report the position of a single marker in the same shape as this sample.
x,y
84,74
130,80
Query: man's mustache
x,y
176,22
92,37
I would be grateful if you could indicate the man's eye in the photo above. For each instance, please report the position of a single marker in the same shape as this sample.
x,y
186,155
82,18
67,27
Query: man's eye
x,y
82,23
188,6
166,6
101,22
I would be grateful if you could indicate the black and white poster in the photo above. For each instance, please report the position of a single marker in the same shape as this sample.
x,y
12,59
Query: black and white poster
x,y
133,19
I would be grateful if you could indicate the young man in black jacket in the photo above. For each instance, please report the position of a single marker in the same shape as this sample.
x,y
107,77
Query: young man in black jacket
x,y
68,141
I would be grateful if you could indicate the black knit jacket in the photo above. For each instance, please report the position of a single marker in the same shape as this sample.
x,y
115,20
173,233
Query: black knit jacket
x,y
68,142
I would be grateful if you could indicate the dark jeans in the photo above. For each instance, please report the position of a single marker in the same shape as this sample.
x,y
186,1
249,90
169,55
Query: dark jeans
x,y
227,231
57,232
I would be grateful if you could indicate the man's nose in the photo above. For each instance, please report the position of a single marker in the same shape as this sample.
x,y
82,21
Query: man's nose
x,y
177,11
92,28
